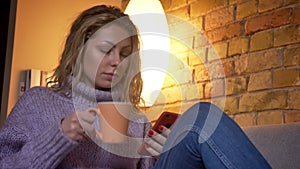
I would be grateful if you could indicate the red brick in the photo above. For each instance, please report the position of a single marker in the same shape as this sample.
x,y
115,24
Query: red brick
x,y
198,23
178,46
219,102
224,33
259,81
197,58
170,95
200,41
200,7
261,40
219,69
200,87
259,61
246,9
169,81
231,105
178,62
292,56
285,78
241,63
291,117
236,85
245,119
215,88
265,60
265,118
289,2
287,35
236,1
219,18
267,21
296,15
216,70
181,13
228,68
201,73
177,3
191,92
261,101
294,99
217,51
186,34
265,5
238,46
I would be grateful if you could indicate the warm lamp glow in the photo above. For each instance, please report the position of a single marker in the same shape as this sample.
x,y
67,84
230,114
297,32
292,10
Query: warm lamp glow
x,y
149,17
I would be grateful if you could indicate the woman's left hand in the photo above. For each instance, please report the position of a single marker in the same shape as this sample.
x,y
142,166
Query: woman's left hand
x,y
155,141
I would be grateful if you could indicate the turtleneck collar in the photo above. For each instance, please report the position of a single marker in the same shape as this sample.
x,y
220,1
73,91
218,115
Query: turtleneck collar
x,y
90,93
84,96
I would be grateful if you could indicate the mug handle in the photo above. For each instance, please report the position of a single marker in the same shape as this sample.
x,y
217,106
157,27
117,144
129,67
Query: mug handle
x,y
98,133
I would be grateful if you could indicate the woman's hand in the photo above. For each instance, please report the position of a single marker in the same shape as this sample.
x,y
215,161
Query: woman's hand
x,y
155,141
76,129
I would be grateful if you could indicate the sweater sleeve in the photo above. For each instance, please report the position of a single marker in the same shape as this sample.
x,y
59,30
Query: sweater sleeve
x,y
23,147
45,151
146,162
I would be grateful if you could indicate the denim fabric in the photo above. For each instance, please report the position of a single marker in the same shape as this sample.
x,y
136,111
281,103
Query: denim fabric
x,y
205,137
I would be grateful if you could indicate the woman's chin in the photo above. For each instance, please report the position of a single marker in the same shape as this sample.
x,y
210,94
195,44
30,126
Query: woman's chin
x,y
103,89
106,86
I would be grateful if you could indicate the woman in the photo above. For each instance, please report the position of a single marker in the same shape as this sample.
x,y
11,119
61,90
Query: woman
x,y
100,62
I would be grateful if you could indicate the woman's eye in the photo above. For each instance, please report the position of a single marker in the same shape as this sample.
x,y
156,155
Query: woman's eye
x,y
124,55
105,51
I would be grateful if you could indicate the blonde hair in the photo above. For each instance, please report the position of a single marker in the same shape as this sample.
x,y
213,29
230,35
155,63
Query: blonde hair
x,y
87,23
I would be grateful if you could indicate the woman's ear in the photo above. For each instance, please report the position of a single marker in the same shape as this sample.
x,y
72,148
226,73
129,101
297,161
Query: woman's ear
x,y
87,36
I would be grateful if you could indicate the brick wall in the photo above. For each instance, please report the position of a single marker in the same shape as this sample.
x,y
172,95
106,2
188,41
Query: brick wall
x,y
246,59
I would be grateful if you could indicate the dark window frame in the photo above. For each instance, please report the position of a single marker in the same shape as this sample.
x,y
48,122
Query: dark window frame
x,y
7,29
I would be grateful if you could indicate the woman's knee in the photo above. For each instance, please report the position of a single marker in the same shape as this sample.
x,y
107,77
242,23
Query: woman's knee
x,y
203,111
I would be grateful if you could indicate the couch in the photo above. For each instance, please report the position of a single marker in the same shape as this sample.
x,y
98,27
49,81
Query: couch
x,y
279,144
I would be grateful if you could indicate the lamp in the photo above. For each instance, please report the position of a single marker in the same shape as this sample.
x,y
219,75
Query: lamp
x,y
150,19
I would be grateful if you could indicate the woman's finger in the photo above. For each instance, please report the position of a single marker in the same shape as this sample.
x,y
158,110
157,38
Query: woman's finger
x,y
87,127
159,138
164,130
151,150
88,115
72,128
158,147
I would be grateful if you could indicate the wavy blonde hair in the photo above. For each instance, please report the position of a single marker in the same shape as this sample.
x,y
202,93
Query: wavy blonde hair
x,y
87,23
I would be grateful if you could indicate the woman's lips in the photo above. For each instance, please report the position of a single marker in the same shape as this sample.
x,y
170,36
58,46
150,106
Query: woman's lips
x,y
110,76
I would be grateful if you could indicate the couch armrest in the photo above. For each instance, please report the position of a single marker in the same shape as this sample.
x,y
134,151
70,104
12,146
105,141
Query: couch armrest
x,y
279,144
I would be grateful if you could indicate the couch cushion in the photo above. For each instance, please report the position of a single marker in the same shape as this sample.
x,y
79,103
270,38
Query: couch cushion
x,y
279,144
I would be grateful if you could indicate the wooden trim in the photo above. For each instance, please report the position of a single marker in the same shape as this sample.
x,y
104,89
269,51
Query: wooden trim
x,y
8,61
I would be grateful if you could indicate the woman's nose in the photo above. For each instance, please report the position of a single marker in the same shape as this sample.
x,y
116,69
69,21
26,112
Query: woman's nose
x,y
115,58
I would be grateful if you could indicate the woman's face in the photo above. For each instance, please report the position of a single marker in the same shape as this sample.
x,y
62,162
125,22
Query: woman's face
x,y
104,60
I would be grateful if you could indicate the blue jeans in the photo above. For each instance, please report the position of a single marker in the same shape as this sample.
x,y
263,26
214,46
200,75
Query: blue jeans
x,y
205,137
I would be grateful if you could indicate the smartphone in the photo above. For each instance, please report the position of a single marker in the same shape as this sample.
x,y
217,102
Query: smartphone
x,y
166,119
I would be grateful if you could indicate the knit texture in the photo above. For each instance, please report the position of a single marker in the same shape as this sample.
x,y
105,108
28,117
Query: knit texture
x,y
32,136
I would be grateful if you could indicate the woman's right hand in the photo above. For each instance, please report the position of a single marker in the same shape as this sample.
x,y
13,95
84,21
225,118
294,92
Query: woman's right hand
x,y
75,129
155,141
